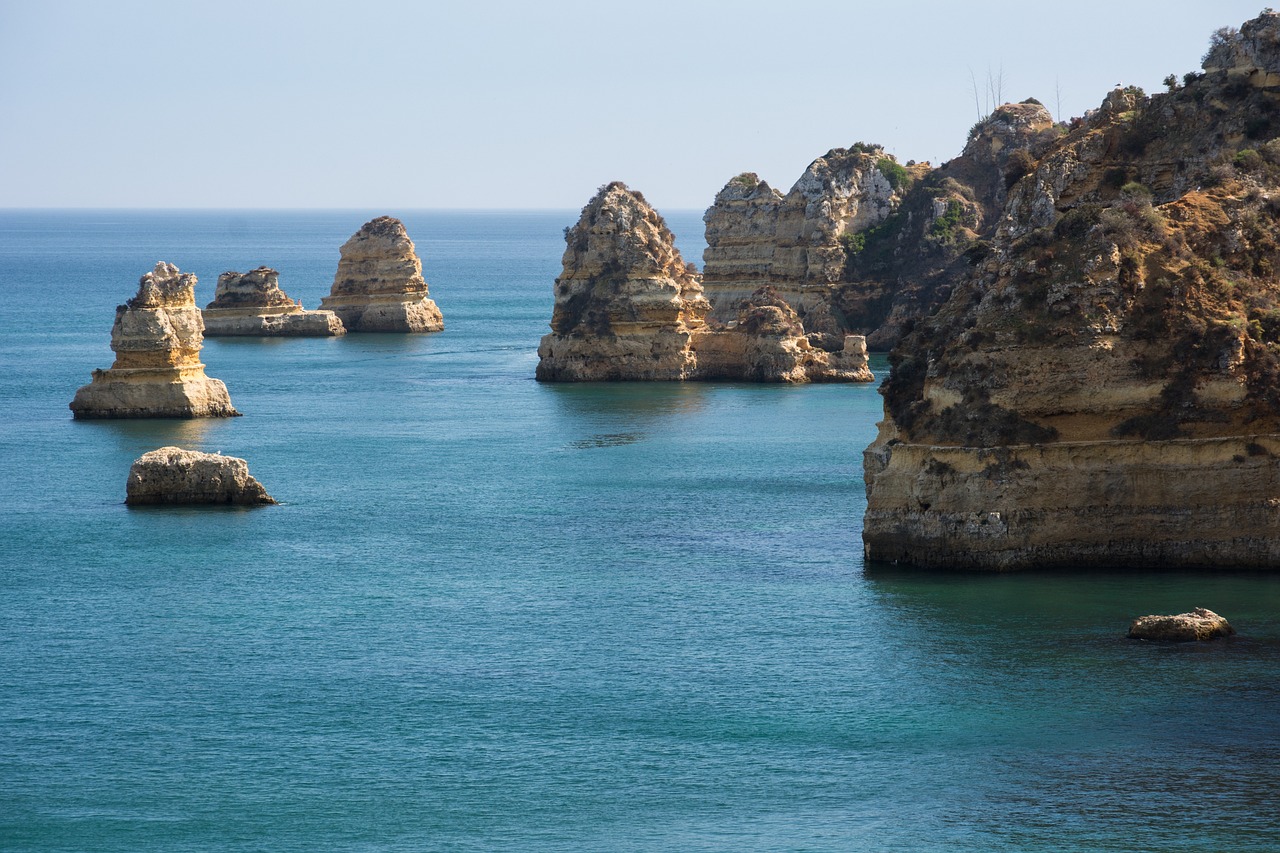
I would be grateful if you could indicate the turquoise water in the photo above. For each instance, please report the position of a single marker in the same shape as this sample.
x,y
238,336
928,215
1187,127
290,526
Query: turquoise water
x,y
496,615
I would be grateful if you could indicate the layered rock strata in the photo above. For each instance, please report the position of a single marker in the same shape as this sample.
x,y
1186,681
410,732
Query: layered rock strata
x,y
1104,387
379,285
1199,624
172,475
252,303
157,337
628,307
758,237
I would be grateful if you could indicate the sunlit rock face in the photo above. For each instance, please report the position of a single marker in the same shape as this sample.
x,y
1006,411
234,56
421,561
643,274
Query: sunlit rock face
x,y
252,303
1103,389
627,307
379,285
175,476
157,337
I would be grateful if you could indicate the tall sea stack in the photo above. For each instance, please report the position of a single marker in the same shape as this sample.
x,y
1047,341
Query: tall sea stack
x,y
1104,388
379,285
157,372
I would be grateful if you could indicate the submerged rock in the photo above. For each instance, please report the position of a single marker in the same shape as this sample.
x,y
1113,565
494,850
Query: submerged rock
x,y
157,337
1104,385
627,307
1199,624
379,285
252,303
172,475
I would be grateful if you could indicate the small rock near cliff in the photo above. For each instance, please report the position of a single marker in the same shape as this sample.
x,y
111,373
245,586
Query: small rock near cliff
x,y
172,475
1199,624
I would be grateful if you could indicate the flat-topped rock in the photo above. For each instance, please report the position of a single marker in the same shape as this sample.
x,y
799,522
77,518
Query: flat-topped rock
x,y
379,285
1199,624
253,304
157,337
172,475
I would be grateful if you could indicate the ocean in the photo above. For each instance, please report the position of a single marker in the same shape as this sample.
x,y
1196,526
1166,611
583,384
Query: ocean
x,y
491,614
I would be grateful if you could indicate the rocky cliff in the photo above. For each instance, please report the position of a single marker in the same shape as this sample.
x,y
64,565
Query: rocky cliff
x,y
379,285
1103,387
172,475
628,307
757,237
157,372
252,303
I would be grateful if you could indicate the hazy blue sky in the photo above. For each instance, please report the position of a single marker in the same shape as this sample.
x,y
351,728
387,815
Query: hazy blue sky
x,y
532,104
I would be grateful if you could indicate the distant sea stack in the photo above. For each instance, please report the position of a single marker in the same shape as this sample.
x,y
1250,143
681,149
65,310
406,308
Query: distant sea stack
x,y
175,476
157,373
628,307
379,285
252,303
1103,389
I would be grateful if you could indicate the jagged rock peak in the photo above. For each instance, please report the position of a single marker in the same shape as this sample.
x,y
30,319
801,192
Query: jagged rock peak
x,y
618,227
379,237
1009,128
747,187
1253,47
164,286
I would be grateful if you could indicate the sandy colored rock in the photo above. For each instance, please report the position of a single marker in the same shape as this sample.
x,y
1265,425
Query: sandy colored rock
x,y
1199,624
627,307
172,475
157,337
379,285
253,304
1103,389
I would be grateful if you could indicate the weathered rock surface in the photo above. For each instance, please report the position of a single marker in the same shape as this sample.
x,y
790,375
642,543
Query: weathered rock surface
x,y
758,237
157,372
626,303
172,475
252,303
627,307
1199,624
1103,388
379,285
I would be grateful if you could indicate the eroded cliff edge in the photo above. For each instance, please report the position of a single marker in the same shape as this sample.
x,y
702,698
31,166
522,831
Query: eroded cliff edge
x,y
629,308
1104,387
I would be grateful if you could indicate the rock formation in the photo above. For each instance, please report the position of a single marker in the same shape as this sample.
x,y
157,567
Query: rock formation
x,y
379,285
1104,387
172,475
795,243
252,303
627,307
626,303
1199,624
157,372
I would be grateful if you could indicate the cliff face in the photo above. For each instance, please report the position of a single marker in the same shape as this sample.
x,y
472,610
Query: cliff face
x,y
758,237
252,303
157,336
379,285
627,307
1104,386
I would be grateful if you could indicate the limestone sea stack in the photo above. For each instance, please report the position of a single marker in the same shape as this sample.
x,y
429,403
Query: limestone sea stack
x,y
379,285
1199,624
252,303
628,307
626,303
1103,389
172,475
157,372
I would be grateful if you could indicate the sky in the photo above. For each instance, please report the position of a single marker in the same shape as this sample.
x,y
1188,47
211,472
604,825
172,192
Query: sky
x,y
509,105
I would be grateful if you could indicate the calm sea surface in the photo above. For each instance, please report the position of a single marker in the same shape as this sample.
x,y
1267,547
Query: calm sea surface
x,y
496,615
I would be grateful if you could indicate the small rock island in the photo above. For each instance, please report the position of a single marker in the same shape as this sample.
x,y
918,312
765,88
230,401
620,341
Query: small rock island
x,y
379,285
253,304
175,476
157,337
629,308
